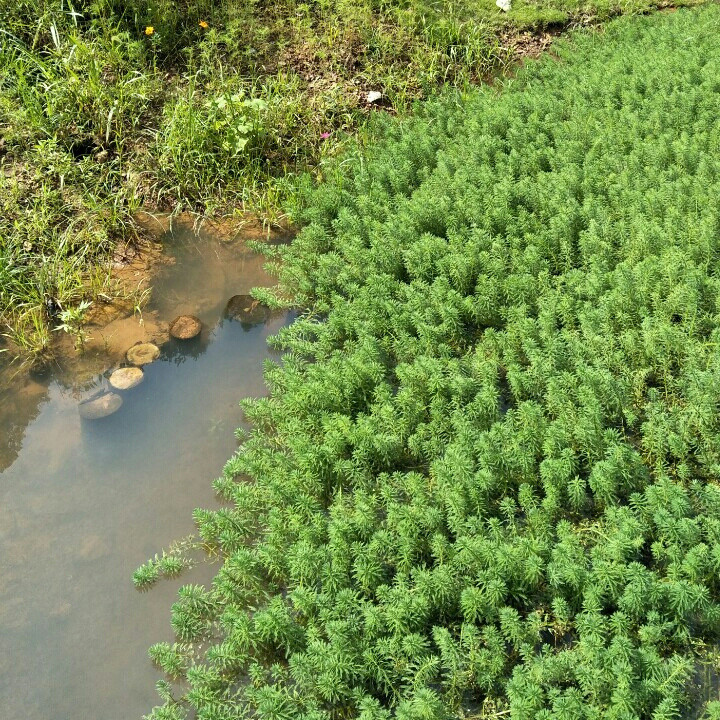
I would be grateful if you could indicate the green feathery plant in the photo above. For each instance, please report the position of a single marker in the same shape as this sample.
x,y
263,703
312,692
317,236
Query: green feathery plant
x,y
487,474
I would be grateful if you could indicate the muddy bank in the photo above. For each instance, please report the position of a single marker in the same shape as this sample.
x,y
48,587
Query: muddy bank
x,y
130,318
173,270
118,316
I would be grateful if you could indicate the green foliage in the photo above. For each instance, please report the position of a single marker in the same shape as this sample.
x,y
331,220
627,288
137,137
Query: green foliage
x,y
109,105
486,474
169,563
204,143
65,118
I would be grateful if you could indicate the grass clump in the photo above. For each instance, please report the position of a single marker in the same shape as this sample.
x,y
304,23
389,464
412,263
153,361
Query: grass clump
x,y
486,478
108,106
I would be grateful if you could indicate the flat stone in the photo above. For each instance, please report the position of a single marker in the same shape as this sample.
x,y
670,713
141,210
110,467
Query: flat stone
x,y
185,327
246,309
100,407
126,378
143,353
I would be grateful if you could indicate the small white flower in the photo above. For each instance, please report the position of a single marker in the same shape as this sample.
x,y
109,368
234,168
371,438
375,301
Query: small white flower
x,y
504,5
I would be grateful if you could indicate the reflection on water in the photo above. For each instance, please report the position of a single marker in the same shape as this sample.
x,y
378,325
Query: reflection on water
x,y
82,504
19,406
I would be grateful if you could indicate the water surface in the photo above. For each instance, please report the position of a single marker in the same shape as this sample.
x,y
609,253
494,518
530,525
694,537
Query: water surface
x,y
82,504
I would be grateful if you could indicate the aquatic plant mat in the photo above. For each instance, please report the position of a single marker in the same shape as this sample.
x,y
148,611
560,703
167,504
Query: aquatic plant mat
x,y
485,483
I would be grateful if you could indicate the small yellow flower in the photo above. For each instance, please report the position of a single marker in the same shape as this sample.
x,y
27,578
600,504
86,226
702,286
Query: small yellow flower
x,y
203,24
149,30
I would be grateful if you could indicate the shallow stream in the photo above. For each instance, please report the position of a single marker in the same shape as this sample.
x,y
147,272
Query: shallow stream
x,y
83,503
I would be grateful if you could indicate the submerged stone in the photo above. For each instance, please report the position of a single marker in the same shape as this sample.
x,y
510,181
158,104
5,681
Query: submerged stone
x,y
100,407
41,368
126,378
143,353
246,309
185,327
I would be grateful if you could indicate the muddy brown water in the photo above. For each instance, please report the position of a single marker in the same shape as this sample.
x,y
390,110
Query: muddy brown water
x,y
83,503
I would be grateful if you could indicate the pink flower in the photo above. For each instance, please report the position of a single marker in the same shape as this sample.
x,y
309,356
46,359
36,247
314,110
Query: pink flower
x,y
325,135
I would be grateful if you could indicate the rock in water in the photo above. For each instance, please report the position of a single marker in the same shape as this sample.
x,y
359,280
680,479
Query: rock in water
x,y
126,378
246,309
143,353
100,407
185,327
